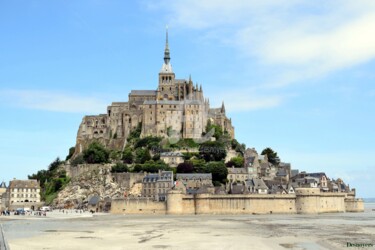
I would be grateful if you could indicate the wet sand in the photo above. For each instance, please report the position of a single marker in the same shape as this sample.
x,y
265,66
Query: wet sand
x,y
84,231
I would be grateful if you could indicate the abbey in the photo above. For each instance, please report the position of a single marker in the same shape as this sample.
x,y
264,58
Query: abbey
x,y
177,108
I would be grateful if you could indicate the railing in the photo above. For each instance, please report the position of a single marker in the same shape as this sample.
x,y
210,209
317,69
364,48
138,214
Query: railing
x,y
3,243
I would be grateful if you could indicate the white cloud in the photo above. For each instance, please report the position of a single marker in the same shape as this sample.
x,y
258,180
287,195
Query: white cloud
x,y
237,101
307,39
53,101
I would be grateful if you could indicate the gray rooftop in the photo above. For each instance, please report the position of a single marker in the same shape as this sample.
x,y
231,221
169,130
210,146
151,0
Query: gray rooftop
x,y
194,176
237,170
143,92
257,183
171,154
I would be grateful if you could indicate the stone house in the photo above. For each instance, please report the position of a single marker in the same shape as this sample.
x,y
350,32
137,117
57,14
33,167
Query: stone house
x,y
3,189
24,193
156,185
195,181
237,174
256,186
172,158
304,179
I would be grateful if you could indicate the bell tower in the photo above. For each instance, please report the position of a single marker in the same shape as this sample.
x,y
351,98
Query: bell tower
x,y
167,87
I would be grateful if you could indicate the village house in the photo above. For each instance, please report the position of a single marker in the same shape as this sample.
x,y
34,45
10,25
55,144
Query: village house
x,y
237,174
195,180
256,186
172,158
22,194
156,185
3,189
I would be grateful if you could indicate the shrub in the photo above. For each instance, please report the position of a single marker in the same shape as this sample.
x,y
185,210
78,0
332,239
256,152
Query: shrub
x,y
77,160
119,168
237,162
185,167
127,155
212,151
96,153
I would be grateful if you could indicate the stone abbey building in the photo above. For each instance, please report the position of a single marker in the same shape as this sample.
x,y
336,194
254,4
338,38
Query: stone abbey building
x,y
177,108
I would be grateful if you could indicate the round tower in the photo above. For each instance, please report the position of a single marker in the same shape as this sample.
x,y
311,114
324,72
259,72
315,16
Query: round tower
x,y
307,200
174,202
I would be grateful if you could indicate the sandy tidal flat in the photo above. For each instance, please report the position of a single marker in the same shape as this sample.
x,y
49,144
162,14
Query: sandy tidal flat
x,y
325,231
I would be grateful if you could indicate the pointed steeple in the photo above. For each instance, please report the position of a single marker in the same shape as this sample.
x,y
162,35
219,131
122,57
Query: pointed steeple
x,y
223,108
190,79
167,56
167,67
200,88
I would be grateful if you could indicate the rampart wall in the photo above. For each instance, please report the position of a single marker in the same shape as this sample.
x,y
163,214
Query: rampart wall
x,y
305,201
137,206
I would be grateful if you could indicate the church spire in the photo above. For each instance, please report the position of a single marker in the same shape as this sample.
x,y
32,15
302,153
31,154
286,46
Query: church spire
x,y
223,108
167,67
167,56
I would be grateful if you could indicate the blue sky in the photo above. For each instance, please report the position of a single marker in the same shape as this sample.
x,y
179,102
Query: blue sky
x,y
297,76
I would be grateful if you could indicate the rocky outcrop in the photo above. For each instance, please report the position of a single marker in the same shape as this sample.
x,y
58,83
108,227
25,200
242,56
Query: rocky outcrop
x,y
96,180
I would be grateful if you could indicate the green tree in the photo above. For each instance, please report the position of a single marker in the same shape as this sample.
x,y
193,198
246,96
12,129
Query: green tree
x,y
237,162
149,142
71,152
119,168
135,134
77,160
271,155
142,155
199,165
96,153
127,155
218,131
155,166
219,171
55,164
212,151
185,167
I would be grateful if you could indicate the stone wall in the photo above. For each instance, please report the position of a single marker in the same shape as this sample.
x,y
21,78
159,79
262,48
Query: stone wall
x,y
332,202
354,205
137,206
75,171
305,201
128,180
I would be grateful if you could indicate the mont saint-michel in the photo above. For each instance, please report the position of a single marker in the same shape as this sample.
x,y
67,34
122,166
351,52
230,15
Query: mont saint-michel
x,y
176,109
166,151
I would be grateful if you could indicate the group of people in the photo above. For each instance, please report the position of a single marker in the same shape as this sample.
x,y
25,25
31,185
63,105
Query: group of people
x,y
5,213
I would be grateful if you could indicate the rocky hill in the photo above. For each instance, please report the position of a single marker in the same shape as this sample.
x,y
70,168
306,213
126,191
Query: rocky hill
x,y
95,184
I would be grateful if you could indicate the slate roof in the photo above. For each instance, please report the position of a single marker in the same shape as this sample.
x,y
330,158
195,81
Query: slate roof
x,y
294,172
3,185
162,176
24,184
143,92
237,170
250,159
214,111
202,176
171,154
257,183
281,172
316,175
